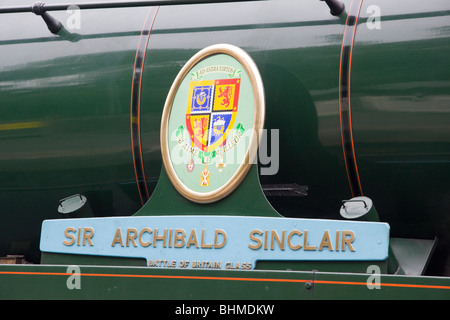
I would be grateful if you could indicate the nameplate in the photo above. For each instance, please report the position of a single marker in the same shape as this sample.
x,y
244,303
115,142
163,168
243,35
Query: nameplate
x,y
217,242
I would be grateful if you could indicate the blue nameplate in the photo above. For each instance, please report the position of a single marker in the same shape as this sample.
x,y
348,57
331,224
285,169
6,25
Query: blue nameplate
x,y
217,242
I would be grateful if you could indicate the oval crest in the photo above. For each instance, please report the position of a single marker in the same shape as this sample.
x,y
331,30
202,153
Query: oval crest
x,y
211,122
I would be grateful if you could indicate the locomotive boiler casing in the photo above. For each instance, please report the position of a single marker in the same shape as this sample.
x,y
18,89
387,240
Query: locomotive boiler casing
x,y
355,105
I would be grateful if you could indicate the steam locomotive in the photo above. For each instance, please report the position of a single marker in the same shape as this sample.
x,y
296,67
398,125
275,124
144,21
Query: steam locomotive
x,y
357,104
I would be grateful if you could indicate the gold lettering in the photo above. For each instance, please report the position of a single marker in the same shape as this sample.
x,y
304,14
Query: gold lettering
x,y
347,241
142,243
253,238
203,245
179,236
306,247
265,239
292,247
66,233
274,235
131,236
326,241
337,240
192,239
117,238
170,238
78,236
159,238
218,245
88,233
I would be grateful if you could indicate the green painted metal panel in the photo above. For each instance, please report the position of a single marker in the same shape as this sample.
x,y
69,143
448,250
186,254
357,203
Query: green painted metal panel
x,y
65,109
95,282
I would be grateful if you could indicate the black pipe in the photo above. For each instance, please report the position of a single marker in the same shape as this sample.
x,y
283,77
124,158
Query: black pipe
x,y
122,4
52,24
336,7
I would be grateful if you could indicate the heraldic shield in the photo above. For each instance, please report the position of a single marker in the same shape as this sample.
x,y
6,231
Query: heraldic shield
x,y
211,111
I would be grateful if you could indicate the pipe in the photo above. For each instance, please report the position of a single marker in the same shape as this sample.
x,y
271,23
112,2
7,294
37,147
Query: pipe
x,y
336,7
122,4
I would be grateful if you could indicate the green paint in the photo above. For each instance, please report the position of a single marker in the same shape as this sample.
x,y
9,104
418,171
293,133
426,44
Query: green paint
x,y
97,282
79,92
248,200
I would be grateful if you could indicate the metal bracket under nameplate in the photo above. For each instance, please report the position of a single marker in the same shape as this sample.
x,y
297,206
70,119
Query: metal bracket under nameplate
x,y
217,242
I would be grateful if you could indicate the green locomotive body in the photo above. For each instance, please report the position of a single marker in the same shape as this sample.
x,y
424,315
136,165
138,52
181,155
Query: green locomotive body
x,y
356,105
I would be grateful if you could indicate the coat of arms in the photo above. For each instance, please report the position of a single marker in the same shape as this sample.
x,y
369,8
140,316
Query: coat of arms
x,y
211,118
211,112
